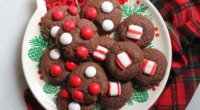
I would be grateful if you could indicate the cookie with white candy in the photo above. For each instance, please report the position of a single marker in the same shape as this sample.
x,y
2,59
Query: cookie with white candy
x,y
124,60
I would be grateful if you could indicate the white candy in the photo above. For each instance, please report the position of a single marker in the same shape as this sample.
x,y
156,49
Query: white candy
x,y
114,88
100,53
107,7
54,31
134,32
107,25
149,67
123,60
74,106
90,71
65,39
54,54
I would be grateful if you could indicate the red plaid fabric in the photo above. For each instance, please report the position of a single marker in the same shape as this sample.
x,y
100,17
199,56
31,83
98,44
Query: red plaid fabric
x,y
183,21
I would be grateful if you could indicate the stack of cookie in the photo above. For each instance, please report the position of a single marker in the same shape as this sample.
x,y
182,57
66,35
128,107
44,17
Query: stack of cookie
x,y
93,67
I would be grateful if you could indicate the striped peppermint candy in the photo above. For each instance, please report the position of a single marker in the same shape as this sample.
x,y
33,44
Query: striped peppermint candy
x,y
123,60
149,67
100,53
114,88
134,32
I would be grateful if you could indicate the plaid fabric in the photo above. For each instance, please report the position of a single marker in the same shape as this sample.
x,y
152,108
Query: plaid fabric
x,y
183,21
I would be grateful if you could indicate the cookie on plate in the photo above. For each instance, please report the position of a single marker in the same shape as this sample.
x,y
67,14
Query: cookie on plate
x,y
106,14
137,29
87,82
153,69
53,68
117,95
124,60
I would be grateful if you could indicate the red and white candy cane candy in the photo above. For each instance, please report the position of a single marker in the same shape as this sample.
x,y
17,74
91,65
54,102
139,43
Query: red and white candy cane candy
x,y
149,67
134,32
123,60
100,53
114,88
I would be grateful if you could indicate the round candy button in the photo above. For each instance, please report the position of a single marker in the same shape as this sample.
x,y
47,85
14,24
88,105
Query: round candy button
x,y
70,65
77,95
82,52
54,31
64,94
69,25
73,10
91,13
55,70
87,32
54,54
75,81
74,106
58,14
66,38
107,25
90,71
94,88
106,7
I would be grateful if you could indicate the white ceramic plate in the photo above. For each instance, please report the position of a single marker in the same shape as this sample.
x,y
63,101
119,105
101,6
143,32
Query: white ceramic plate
x,y
34,45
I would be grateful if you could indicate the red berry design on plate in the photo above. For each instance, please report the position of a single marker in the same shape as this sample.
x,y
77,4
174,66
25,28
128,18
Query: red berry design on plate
x,y
69,25
91,13
64,94
73,10
94,88
82,52
58,14
55,70
75,81
77,95
87,32
70,65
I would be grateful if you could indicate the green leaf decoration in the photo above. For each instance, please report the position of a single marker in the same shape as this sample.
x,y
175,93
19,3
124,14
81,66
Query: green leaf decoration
x,y
140,96
35,53
149,46
55,98
150,17
39,42
51,89
142,8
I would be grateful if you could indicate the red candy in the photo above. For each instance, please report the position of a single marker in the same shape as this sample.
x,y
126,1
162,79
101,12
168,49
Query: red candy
x,y
70,65
69,25
91,13
94,88
75,81
64,94
82,52
73,10
55,70
87,32
58,14
77,95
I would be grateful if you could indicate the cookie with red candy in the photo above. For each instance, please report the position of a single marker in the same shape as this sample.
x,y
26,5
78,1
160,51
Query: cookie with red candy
x,y
87,82
105,13
53,68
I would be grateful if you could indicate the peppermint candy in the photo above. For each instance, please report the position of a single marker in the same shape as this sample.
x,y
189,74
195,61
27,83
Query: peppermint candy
x,y
149,67
123,60
134,32
114,89
100,53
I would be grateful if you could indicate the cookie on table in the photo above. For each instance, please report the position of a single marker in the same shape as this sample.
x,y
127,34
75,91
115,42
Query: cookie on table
x,y
55,18
106,14
87,82
124,60
53,68
137,29
117,96
65,102
153,69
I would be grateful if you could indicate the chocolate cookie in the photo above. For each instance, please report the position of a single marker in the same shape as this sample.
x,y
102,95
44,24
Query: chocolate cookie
x,y
124,60
55,18
53,69
106,14
153,70
118,94
137,29
65,102
87,82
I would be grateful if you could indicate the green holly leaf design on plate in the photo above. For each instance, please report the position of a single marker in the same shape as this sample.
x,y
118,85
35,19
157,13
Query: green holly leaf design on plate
x,y
51,89
140,96
35,53
39,42
150,45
